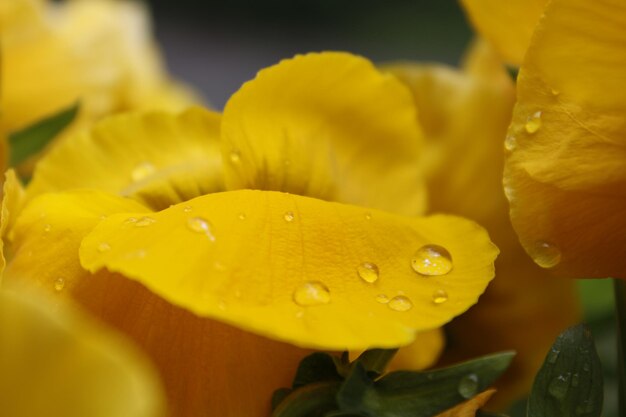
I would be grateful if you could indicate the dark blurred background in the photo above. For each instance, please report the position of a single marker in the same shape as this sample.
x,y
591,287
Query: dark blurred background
x,y
217,45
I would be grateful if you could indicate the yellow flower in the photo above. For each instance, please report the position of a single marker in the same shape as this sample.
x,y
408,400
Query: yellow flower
x,y
314,243
565,177
96,52
465,116
57,363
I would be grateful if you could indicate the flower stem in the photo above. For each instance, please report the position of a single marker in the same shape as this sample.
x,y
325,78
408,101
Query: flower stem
x,y
620,310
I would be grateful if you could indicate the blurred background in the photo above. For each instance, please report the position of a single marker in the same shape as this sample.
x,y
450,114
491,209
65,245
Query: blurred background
x,y
218,45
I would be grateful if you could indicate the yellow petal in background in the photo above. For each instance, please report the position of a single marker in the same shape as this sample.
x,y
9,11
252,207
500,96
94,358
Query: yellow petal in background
x,y
194,355
327,126
565,177
157,158
57,363
465,116
334,276
12,201
508,25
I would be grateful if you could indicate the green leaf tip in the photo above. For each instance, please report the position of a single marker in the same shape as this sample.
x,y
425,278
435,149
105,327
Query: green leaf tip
x,y
34,138
570,381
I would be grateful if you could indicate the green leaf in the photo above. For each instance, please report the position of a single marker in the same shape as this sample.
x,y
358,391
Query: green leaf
x,y
31,140
570,381
279,395
313,400
375,361
419,394
317,367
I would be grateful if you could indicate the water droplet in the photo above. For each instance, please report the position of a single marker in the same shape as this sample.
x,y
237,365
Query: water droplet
x,y
468,386
545,254
130,220
555,92
400,303
221,305
533,123
145,221
311,293
142,171
586,367
510,143
47,228
201,225
299,314
558,386
440,297
382,298
585,407
368,216
235,156
368,272
187,209
59,284
432,260
553,355
104,247
242,216
289,216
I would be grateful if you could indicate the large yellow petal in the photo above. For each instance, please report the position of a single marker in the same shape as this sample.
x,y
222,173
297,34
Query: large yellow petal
x,y
57,363
157,158
256,258
329,126
208,367
508,25
465,115
565,177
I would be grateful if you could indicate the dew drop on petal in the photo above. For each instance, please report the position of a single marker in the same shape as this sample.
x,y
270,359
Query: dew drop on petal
x,y
468,386
201,225
440,297
533,123
142,171
145,221
289,216
104,247
382,299
510,143
555,92
59,284
241,216
545,254
187,209
130,220
47,228
400,303
368,216
311,293
432,260
368,272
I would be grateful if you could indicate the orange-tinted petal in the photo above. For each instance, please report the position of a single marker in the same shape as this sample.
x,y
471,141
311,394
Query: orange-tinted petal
x,y
565,178
469,407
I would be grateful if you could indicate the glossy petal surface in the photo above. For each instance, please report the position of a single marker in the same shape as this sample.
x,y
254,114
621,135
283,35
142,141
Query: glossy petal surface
x,y
294,260
566,180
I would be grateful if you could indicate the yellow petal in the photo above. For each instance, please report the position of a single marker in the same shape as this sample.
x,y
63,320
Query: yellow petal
x,y
421,353
565,179
465,116
208,367
57,363
47,233
256,258
20,18
469,407
508,25
12,201
155,157
328,126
